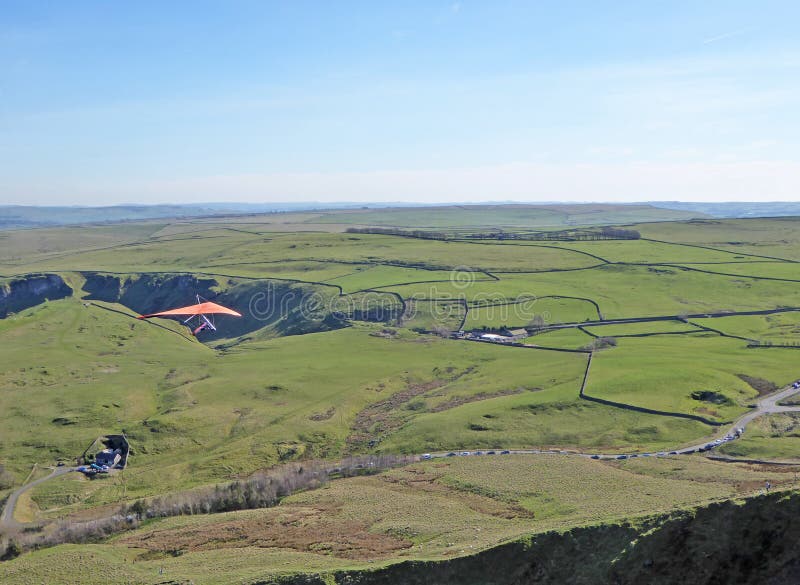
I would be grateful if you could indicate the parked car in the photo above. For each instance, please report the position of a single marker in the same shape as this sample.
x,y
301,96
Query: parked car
x,y
490,453
595,457
426,456
464,453
622,456
505,452
450,455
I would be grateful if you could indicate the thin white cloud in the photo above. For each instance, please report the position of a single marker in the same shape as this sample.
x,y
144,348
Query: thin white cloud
x,y
725,36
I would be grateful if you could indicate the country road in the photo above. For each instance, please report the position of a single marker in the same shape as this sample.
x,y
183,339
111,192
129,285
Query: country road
x,y
7,521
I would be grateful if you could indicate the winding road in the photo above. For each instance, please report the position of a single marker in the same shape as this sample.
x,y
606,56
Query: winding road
x,y
7,521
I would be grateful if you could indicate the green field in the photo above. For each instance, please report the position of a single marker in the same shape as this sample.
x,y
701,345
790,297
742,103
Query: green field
x,y
571,338
505,216
649,372
344,349
781,328
521,313
776,436
646,328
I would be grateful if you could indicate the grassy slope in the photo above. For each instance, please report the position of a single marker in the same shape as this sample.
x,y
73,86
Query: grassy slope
x,y
522,313
629,291
564,338
779,328
354,262
434,510
646,328
661,372
778,237
772,436
505,216
195,415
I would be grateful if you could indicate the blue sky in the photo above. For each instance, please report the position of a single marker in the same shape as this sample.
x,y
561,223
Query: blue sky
x,y
104,102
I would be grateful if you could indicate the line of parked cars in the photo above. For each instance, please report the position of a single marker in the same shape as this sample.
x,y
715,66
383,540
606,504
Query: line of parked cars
x,y
734,434
427,456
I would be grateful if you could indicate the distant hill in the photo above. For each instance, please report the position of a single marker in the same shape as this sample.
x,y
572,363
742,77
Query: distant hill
x,y
384,214
24,216
735,210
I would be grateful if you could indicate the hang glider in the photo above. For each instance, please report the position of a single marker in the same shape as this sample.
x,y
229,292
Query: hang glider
x,y
203,311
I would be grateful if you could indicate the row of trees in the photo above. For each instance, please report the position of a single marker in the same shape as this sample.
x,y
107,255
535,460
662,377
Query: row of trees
x,y
422,234
262,490
587,235
614,233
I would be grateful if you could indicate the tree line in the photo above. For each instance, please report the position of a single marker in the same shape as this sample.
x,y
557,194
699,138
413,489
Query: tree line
x,y
603,233
421,234
261,490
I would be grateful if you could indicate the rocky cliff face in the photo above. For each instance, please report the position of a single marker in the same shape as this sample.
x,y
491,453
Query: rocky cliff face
x,y
269,307
29,291
750,543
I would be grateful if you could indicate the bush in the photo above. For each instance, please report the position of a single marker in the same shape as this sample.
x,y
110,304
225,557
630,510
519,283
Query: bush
x,y
601,343
12,551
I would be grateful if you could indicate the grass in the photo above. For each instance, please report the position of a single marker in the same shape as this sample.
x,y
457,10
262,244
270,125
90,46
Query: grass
x,y
642,251
774,237
233,252
480,216
778,328
522,313
769,436
662,373
571,338
194,415
758,269
433,510
646,328
377,276
198,414
628,291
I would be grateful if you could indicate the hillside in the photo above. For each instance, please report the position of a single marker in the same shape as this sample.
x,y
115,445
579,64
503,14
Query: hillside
x,y
348,345
21,216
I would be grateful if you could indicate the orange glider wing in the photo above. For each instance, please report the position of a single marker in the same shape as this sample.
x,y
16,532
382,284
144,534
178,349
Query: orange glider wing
x,y
201,309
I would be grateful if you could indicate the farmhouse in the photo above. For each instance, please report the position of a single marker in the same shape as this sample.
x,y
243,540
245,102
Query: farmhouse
x,y
109,457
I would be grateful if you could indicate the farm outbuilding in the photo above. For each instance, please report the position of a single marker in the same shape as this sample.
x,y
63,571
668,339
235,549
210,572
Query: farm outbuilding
x,y
518,333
